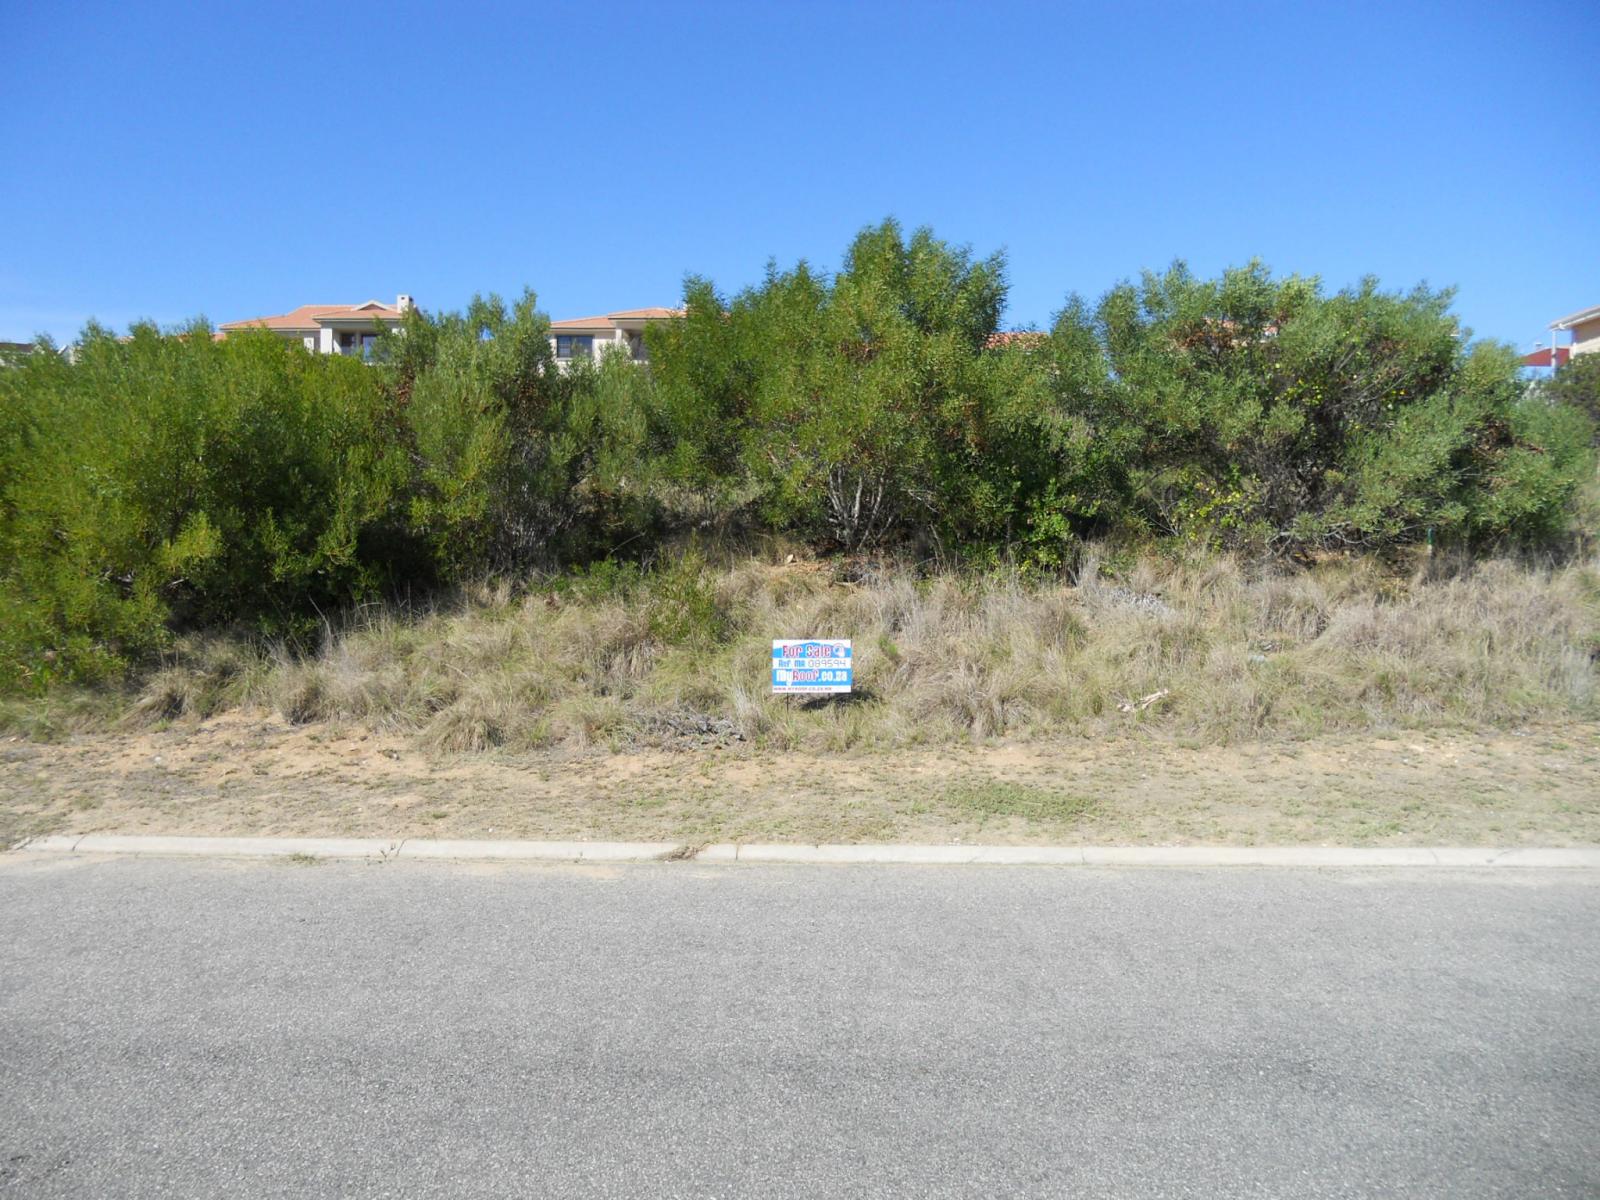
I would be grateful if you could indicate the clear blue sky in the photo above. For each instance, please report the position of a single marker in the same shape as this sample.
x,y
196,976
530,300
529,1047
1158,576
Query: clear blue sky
x,y
234,160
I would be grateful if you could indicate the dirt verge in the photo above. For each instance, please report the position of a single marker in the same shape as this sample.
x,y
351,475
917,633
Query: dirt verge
x,y
252,774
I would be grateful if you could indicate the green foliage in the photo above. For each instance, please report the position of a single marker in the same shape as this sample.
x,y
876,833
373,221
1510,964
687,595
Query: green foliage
x,y
162,482
162,479
684,605
1002,798
513,460
159,483
853,409
602,580
877,407
1576,385
1260,412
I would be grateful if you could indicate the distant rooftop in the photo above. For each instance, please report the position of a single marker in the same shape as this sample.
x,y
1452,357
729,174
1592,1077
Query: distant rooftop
x,y
1592,313
311,317
617,319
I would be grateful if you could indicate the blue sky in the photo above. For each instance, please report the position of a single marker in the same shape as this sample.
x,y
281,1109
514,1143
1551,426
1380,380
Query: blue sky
x,y
240,159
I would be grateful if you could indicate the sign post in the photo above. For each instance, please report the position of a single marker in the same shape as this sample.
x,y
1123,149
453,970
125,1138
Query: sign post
x,y
807,666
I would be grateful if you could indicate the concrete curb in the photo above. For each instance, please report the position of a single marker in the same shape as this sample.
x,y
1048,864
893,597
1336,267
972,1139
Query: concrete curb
x,y
236,847
728,852
386,850
358,848
543,851
1166,856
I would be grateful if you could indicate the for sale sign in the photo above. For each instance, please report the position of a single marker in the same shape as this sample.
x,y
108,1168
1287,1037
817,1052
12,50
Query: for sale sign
x,y
812,665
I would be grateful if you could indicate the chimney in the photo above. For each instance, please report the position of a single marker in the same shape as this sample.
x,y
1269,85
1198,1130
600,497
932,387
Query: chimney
x,y
403,302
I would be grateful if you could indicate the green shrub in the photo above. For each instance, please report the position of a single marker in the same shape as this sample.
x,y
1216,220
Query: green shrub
x,y
159,484
162,480
683,602
1576,385
515,463
858,409
1265,413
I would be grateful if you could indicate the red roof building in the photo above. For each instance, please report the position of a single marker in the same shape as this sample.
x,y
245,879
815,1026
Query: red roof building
x,y
583,337
331,328
1584,325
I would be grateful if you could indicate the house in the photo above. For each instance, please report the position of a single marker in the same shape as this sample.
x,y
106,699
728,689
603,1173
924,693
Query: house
x,y
583,337
1585,328
331,328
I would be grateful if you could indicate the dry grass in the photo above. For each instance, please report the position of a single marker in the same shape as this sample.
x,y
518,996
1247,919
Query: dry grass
x,y
248,774
1242,652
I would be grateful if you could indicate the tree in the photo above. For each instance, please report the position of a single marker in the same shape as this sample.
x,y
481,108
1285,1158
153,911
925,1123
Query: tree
x,y
842,407
1576,385
513,460
170,480
1282,417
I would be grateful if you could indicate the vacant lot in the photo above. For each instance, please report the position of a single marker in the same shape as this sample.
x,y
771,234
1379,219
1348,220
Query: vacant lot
x,y
253,774
1176,698
1189,645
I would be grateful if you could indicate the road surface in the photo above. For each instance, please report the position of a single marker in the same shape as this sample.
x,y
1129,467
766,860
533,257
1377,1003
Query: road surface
x,y
183,1028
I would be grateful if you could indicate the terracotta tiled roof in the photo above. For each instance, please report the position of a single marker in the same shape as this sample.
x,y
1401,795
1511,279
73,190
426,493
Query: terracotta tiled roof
x,y
1542,358
645,314
309,316
609,320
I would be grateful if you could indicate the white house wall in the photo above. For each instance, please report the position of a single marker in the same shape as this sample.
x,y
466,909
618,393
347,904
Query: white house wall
x,y
308,340
603,339
1586,337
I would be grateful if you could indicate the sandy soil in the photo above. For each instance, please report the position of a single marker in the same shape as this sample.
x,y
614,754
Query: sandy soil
x,y
252,774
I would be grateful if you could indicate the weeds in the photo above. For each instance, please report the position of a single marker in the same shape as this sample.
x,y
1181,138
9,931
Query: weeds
x,y
1229,651
996,798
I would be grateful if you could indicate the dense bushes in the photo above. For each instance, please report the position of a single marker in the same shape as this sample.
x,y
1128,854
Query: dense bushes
x,y
160,482
513,462
857,409
1576,384
880,406
163,482
1269,414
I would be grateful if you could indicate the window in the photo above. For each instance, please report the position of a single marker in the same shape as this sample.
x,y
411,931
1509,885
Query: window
x,y
572,345
641,352
369,343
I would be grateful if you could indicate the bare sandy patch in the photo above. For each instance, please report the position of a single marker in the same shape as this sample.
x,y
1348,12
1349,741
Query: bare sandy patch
x,y
251,773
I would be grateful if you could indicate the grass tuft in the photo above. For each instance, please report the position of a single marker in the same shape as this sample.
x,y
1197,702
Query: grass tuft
x,y
996,798
621,657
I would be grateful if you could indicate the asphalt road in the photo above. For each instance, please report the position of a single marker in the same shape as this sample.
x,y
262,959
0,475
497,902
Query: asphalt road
x,y
226,1029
